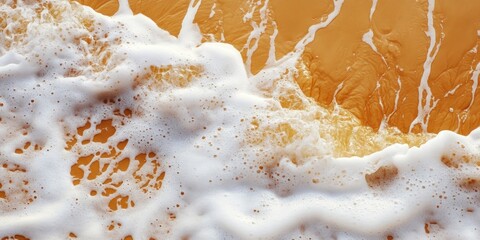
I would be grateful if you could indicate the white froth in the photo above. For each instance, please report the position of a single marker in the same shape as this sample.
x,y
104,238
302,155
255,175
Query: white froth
x,y
200,116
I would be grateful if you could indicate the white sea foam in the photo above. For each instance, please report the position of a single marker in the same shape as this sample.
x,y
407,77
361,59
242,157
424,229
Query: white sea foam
x,y
236,164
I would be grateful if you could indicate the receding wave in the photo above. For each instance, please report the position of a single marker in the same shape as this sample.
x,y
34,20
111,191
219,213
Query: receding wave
x,y
115,129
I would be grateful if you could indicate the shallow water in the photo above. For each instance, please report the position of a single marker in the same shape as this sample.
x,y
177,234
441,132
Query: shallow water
x,y
114,129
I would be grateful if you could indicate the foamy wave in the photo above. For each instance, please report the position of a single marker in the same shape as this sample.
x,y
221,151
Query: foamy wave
x,y
113,129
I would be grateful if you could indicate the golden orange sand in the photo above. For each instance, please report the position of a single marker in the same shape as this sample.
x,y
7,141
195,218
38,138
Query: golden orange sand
x,y
338,55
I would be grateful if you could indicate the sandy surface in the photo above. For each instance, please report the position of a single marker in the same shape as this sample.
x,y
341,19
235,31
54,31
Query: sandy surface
x,y
378,81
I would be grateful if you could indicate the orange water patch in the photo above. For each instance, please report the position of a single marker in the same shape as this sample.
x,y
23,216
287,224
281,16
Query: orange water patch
x,y
456,158
160,77
106,131
104,172
382,177
470,184
15,237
